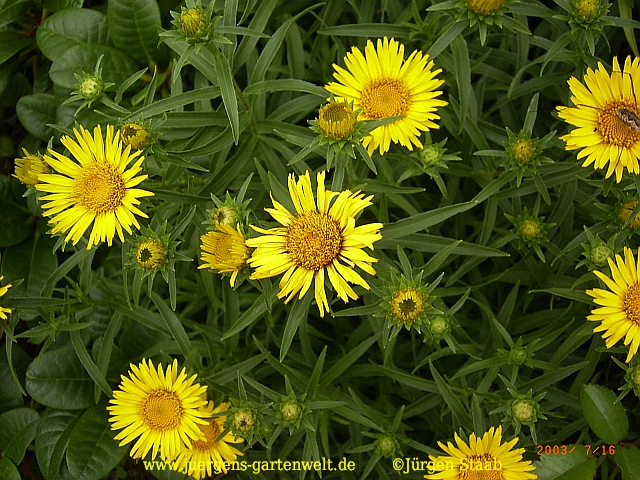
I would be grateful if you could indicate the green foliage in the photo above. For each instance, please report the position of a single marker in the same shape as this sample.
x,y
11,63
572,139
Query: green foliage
x,y
494,222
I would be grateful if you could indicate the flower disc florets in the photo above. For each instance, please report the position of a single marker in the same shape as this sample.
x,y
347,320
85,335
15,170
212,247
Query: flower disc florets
x,y
531,230
290,411
194,24
229,213
485,7
337,120
588,12
523,410
135,134
407,303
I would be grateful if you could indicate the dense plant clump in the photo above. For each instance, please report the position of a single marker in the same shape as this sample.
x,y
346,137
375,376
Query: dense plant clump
x,y
346,239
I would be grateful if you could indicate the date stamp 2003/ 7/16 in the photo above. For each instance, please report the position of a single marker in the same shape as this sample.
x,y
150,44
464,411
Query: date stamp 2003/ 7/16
x,y
567,449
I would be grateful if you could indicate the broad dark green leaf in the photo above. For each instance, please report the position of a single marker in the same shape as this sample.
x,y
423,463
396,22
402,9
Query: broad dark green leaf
x,y
33,262
68,28
572,466
92,452
11,43
11,10
116,66
628,459
133,25
57,5
52,436
605,414
57,379
8,470
16,223
35,112
17,431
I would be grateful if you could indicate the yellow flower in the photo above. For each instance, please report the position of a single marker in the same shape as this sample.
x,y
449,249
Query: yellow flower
x,y
224,251
383,84
97,188
162,410
485,7
606,114
29,167
337,120
134,134
316,240
619,309
503,463
3,310
407,305
150,254
208,456
625,212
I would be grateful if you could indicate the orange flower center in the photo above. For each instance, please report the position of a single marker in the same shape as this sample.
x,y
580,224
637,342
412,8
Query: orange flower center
x,y
482,467
100,188
385,98
161,410
211,431
618,124
631,303
313,240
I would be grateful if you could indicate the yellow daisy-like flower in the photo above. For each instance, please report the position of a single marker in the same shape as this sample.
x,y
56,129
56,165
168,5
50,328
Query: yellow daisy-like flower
x,y
383,84
337,120
97,188
407,305
485,458
161,409
134,134
29,167
606,114
4,310
316,240
485,7
619,309
150,254
208,456
224,251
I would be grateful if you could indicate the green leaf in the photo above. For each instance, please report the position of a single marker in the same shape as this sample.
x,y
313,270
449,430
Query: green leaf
x,y
92,452
424,220
297,314
463,77
8,470
285,85
605,414
349,359
228,92
57,379
68,28
52,436
17,431
572,466
445,39
15,221
11,10
628,459
133,25
36,112
10,395
11,43
173,324
87,363
367,30
460,414
32,261
248,317
116,66
57,5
